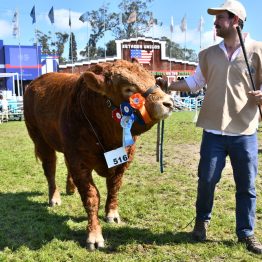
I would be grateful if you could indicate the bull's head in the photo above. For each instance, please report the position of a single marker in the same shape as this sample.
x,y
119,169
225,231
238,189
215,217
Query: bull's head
x,y
120,80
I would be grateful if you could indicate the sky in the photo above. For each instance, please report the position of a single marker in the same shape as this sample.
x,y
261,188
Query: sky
x,y
162,10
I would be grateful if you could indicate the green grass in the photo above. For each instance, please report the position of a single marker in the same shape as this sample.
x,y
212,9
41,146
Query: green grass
x,y
155,208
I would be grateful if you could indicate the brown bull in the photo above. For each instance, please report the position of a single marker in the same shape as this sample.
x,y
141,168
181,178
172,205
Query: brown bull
x,y
72,114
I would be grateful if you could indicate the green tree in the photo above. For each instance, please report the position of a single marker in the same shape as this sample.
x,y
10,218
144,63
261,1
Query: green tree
x,y
102,21
144,19
59,45
44,39
174,50
111,48
51,46
72,47
89,52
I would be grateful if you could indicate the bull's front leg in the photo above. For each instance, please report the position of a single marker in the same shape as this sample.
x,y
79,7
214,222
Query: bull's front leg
x,y
91,200
113,185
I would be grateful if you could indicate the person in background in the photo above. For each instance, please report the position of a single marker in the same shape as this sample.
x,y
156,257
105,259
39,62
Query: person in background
x,y
229,118
3,108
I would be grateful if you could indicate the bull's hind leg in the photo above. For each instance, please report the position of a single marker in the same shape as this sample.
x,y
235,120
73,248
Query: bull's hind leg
x,y
70,186
48,157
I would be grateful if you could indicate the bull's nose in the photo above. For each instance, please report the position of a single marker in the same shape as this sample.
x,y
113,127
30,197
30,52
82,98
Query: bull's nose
x,y
169,104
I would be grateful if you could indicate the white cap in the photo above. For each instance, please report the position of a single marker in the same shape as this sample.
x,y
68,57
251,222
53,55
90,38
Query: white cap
x,y
233,6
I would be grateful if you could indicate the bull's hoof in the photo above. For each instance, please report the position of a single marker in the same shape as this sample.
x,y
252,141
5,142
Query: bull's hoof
x,y
113,217
95,241
116,220
55,202
95,246
55,198
70,191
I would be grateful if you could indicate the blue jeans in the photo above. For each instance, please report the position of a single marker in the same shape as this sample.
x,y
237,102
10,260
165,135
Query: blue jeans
x,y
243,153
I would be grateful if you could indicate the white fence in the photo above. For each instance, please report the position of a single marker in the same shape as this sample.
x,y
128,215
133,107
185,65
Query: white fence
x,y
187,103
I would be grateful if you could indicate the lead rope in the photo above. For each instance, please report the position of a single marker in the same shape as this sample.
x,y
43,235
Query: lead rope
x,y
160,139
90,124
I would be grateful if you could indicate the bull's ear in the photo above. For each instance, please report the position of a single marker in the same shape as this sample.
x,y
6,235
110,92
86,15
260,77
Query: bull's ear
x,y
135,60
93,81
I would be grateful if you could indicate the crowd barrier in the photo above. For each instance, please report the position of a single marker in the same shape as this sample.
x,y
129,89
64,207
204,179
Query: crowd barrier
x,y
187,103
15,111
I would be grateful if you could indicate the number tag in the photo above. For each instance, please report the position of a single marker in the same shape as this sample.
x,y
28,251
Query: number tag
x,y
116,157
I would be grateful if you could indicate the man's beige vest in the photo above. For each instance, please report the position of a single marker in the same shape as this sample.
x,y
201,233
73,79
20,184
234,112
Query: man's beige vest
x,y
227,107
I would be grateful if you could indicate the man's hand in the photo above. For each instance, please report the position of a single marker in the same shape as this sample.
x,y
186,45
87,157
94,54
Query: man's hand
x,y
257,95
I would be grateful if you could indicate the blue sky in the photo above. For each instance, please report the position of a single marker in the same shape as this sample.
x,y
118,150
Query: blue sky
x,y
162,10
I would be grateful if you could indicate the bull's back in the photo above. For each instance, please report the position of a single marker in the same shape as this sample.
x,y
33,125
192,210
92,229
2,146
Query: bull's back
x,y
44,101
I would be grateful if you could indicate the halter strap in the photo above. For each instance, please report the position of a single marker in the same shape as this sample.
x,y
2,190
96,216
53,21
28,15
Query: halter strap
x,y
149,91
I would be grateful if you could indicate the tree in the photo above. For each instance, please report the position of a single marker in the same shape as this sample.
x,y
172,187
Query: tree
x,y
72,47
89,52
57,46
174,50
61,39
43,39
111,48
102,21
141,25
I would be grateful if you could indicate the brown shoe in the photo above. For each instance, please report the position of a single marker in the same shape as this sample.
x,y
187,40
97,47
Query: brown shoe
x,y
252,244
200,230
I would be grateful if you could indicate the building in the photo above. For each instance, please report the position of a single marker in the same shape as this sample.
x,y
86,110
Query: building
x,y
20,64
151,53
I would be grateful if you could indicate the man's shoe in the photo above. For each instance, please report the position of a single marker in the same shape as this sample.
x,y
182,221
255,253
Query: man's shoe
x,y
252,244
200,230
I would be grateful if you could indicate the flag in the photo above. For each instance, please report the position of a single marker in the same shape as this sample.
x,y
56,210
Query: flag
x,y
183,25
201,24
84,17
172,25
132,17
32,14
69,22
15,24
51,15
143,56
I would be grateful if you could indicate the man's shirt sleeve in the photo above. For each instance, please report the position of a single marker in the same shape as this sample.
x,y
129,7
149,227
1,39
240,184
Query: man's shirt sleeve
x,y
197,81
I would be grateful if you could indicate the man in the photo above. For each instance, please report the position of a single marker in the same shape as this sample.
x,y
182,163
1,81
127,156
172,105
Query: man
x,y
3,108
229,117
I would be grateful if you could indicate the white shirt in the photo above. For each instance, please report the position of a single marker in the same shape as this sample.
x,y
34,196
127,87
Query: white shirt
x,y
4,104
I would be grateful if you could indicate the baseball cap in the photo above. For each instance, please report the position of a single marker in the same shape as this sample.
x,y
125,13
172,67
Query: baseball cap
x,y
233,6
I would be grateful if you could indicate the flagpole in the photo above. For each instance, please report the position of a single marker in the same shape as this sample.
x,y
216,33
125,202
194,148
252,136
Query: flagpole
x,y
88,50
71,42
37,58
105,29
185,49
200,44
170,49
20,57
153,27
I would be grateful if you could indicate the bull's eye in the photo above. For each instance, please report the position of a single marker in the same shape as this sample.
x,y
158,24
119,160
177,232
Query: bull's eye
x,y
128,91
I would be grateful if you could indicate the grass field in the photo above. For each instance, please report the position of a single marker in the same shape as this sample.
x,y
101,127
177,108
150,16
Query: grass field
x,y
155,208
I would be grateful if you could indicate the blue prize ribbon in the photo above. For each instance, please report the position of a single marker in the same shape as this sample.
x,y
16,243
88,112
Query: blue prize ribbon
x,y
126,109
126,123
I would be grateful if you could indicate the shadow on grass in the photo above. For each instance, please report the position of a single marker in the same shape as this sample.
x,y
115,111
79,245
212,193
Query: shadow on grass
x,y
24,222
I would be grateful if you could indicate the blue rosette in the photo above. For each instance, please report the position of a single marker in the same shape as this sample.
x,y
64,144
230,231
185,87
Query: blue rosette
x,y
126,109
126,123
